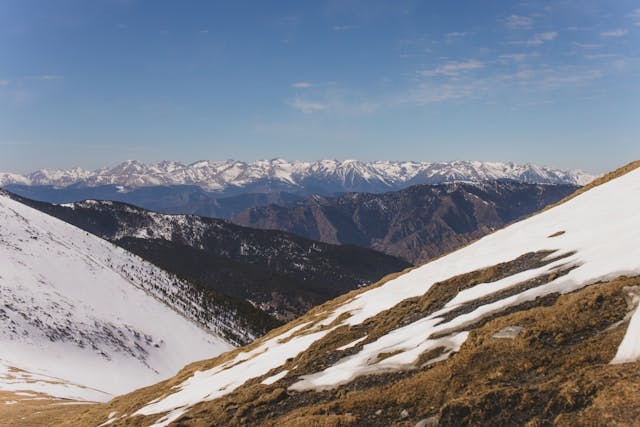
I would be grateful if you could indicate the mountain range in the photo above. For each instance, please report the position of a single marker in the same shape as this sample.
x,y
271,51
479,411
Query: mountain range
x,y
322,177
535,324
280,274
417,223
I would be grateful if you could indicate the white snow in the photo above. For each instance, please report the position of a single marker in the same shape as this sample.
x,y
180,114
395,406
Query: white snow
x,y
352,344
215,176
77,308
275,378
602,231
629,349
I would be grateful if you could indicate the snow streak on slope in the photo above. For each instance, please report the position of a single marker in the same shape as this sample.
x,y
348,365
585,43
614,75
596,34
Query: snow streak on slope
x,y
592,237
346,175
81,310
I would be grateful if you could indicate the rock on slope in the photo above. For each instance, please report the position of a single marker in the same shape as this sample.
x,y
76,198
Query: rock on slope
x,y
417,223
81,318
534,324
280,273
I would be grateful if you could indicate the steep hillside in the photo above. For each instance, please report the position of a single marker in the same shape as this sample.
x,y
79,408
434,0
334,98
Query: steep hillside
x,y
417,224
282,274
81,318
535,324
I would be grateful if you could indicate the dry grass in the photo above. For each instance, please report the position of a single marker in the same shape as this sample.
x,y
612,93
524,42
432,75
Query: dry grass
x,y
556,370
36,410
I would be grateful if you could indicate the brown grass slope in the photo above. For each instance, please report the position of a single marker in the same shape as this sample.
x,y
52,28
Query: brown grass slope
x,y
554,371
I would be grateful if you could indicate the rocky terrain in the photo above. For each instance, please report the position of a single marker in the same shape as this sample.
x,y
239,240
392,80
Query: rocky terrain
x,y
417,223
281,274
535,324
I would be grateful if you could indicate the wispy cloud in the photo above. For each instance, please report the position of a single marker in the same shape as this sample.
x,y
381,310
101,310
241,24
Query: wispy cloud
x,y
205,31
458,34
306,106
635,16
342,27
537,39
452,68
587,45
602,55
47,77
4,82
517,57
425,93
302,85
519,22
619,32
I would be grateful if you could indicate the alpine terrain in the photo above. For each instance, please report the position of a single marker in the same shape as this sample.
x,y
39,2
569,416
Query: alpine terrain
x,y
83,319
261,274
225,188
535,324
417,223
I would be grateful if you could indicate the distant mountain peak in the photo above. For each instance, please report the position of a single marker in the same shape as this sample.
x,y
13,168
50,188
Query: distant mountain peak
x,y
330,176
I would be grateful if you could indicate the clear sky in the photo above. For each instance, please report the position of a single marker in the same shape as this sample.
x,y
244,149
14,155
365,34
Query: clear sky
x,y
91,83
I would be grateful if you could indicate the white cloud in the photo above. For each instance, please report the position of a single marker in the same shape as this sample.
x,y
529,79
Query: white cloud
x,y
302,85
204,31
456,34
453,68
342,27
602,55
517,57
619,32
587,45
307,107
519,22
45,77
635,15
537,39
4,82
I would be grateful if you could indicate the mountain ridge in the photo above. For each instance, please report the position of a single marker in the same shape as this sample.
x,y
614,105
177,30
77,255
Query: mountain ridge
x,y
416,223
323,176
533,324
279,273
97,318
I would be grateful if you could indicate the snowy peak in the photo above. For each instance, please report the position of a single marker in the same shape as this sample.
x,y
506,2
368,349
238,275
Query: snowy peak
x,y
99,319
525,325
330,175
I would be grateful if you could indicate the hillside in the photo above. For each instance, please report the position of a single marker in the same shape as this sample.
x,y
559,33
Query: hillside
x,y
281,274
417,223
83,319
535,324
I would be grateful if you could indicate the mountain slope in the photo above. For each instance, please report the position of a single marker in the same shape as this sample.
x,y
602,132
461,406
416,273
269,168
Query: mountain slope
x,y
323,177
84,319
417,223
280,273
534,324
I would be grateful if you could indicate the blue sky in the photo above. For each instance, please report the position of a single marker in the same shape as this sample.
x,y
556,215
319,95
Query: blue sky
x,y
92,83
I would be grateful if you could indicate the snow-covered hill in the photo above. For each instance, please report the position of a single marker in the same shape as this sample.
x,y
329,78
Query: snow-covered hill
x,y
527,322
326,176
82,318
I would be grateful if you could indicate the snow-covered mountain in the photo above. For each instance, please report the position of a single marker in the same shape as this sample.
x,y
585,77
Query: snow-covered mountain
x,y
324,176
82,318
535,323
